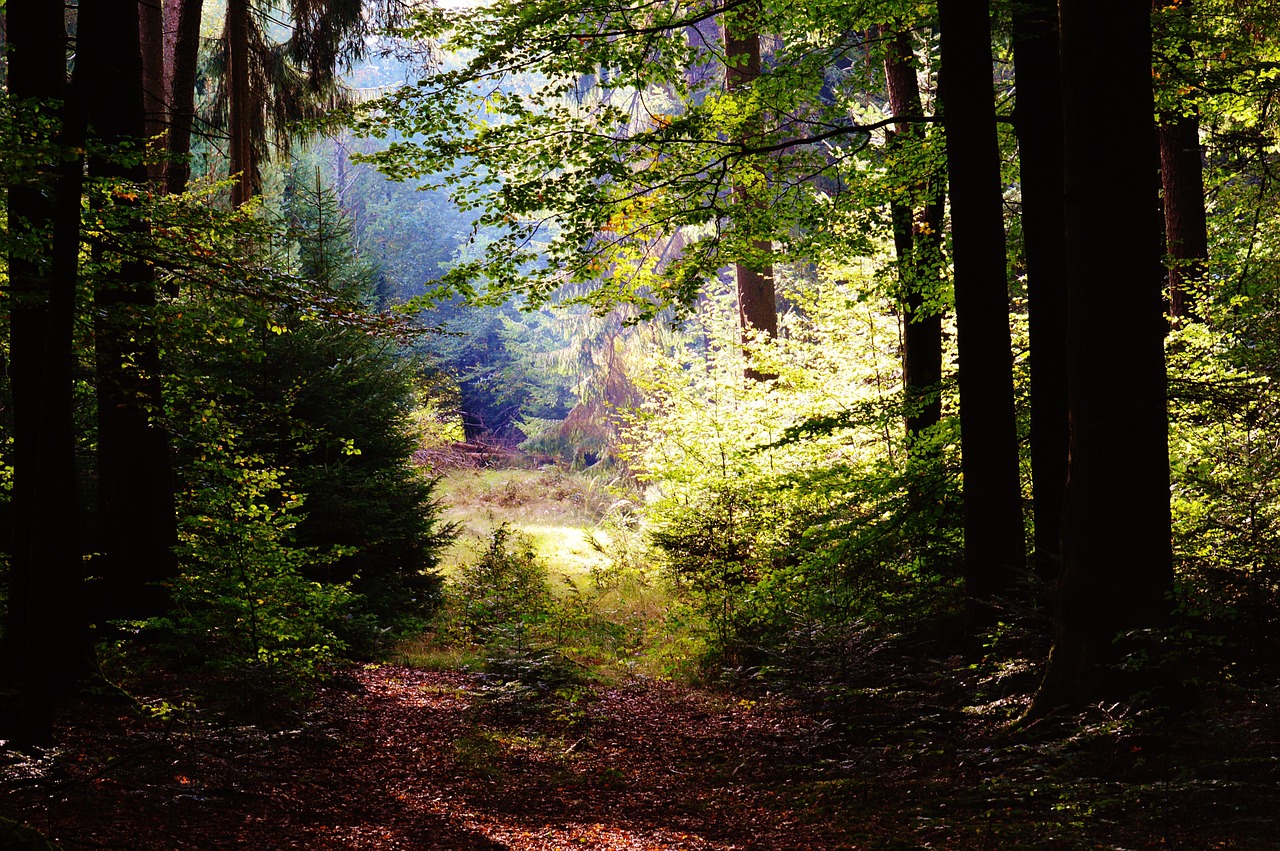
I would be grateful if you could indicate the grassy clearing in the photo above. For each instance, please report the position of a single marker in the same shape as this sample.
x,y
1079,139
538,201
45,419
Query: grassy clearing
x,y
607,609
561,512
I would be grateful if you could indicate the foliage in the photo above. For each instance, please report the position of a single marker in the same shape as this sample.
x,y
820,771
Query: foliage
x,y
506,589
794,498
242,601
599,143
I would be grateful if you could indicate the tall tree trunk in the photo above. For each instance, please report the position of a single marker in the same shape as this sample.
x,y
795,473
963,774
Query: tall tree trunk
x,y
1117,565
1186,229
243,167
182,53
1038,122
917,240
136,529
994,552
757,305
151,40
46,639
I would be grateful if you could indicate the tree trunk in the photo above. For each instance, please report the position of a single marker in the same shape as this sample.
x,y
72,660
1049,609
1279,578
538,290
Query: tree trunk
x,y
757,306
1038,122
994,552
1186,230
136,528
182,36
917,240
1185,227
151,40
47,647
1117,565
243,167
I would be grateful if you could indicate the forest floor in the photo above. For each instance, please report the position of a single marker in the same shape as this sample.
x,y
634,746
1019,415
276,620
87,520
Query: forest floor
x,y
905,747
389,757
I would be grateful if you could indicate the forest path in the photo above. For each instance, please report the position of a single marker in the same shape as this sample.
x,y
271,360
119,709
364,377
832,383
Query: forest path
x,y
397,758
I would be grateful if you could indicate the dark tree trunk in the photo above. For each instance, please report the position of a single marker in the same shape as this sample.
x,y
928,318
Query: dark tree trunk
x,y
1038,121
47,649
994,552
1117,566
1185,228
917,241
239,127
136,529
1186,231
182,53
151,40
757,305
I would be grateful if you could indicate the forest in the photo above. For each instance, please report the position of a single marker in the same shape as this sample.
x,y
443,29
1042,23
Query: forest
x,y
541,424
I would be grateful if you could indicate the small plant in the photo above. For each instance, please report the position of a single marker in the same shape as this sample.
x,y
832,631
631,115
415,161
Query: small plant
x,y
242,602
506,588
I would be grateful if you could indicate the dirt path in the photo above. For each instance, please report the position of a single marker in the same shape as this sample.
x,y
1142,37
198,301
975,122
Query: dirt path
x,y
403,759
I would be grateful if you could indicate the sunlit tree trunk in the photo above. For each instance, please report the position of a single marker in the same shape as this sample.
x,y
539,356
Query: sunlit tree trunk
x,y
1117,564
1038,122
994,554
757,305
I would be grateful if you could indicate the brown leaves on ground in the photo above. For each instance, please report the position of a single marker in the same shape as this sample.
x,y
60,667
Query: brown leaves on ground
x,y
394,758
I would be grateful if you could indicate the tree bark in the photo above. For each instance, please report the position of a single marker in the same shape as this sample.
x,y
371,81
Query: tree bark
x,y
1038,123
151,40
1117,564
757,305
136,527
182,36
1186,229
243,167
47,647
994,552
917,240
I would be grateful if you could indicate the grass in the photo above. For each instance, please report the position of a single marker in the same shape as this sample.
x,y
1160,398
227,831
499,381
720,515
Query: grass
x,y
561,512
610,612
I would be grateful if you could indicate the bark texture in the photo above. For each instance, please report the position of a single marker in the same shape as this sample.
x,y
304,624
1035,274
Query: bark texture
x,y
182,53
239,124
994,553
757,305
917,241
1186,229
1117,565
1038,123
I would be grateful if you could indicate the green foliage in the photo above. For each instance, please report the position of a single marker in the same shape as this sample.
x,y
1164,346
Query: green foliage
x,y
591,138
504,590
794,500
242,602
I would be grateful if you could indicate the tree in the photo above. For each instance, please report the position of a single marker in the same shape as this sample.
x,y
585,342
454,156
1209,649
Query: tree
x,y
917,241
181,63
46,640
757,304
1117,563
1186,233
994,551
135,522
269,87
1038,122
